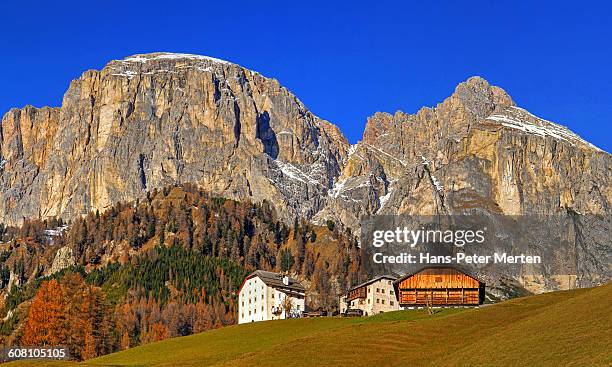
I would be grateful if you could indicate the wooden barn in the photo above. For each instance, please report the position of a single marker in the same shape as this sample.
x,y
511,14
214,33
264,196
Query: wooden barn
x,y
439,286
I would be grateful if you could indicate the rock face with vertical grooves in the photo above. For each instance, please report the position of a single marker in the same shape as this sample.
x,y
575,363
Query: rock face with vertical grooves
x,y
476,149
153,120
478,153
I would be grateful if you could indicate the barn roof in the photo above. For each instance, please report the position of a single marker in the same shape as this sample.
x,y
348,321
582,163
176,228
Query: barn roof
x,y
275,280
406,276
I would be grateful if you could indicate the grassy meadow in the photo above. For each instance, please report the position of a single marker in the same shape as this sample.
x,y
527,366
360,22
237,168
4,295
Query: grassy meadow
x,y
569,328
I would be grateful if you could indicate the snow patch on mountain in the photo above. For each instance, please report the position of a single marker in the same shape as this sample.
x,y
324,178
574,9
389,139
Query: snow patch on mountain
x,y
142,58
436,183
294,173
384,199
402,162
539,127
338,188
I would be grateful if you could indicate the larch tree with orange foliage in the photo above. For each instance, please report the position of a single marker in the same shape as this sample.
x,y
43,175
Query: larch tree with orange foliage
x,y
69,313
46,323
125,341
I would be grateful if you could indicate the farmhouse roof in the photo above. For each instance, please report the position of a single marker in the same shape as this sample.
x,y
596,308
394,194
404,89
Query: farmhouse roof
x,y
275,280
386,276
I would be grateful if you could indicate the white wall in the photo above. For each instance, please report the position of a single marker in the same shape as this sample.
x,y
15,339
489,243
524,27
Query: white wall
x,y
382,297
252,301
342,304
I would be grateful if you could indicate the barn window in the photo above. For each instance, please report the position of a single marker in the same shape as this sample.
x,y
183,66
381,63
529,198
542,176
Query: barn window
x,y
391,303
438,279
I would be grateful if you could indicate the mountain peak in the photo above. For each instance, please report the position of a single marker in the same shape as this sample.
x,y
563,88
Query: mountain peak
x,y
477,80
480,97
155,62
151,120
475,96
172,56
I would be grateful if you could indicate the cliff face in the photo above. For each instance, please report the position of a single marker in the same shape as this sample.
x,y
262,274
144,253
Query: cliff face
x,y
477,153
152,120
475,150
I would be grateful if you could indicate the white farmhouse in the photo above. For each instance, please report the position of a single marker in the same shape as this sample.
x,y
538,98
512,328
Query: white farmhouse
x,y
372,297
264,296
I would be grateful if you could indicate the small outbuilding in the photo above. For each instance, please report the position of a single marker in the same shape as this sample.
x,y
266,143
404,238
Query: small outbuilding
x,y
439,286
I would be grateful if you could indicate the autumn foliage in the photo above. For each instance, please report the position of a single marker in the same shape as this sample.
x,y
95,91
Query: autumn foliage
x,y
69,313
167,265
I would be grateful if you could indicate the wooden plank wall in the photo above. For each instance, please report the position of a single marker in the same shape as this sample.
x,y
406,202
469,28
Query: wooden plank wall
x,y
446,286
439,278
357,293
439,297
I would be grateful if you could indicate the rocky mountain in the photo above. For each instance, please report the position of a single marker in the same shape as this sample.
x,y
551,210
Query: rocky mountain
x,y
153,120
476,149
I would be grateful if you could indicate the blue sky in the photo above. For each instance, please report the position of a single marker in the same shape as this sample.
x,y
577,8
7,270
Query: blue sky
x,y
345,61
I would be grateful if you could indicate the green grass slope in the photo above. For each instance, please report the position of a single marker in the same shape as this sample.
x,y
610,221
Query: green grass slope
x,y
556,329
